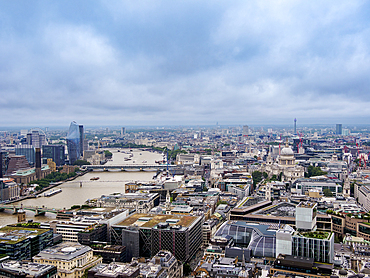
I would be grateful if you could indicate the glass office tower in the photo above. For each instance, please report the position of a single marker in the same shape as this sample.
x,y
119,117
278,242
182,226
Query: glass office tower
x,y
73,143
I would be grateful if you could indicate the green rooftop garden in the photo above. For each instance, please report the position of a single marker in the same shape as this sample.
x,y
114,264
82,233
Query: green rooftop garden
x,y
318,235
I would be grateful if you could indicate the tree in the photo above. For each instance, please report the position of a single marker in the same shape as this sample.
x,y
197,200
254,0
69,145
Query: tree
x,y
257,177
265,175
327,192
187,269
108,154
80,162
280,176
313,171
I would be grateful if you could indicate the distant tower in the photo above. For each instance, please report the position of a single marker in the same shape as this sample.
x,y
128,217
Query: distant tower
x,y
38,163
346,187
122,131
295,126
81,132
338,129
245,130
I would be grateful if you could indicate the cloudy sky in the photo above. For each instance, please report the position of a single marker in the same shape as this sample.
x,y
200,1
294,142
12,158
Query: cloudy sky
x,y
184,62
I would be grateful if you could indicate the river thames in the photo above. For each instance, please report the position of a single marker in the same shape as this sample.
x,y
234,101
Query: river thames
x,y
73,194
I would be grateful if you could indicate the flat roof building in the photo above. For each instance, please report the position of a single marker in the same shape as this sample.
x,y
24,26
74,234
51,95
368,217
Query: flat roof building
x,y
24,269
147,234
71,259
21,243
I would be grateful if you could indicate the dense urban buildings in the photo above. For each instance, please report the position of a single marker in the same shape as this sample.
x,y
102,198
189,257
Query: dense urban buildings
x,y
221,200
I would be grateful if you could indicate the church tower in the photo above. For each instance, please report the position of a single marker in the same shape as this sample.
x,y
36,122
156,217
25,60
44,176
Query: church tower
x,y
346,187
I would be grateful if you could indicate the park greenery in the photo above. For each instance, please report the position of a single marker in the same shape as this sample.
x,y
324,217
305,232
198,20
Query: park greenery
x,y
53,177
257,177
108,154
80,162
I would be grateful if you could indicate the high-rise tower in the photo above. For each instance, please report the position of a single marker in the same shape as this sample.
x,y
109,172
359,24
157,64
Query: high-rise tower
x,y
38,163
73,142
295,126
338,129
81,131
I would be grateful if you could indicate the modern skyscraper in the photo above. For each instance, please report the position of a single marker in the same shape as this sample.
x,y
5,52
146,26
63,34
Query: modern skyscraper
x,y
122,131
55,152
245,130
81,130
38,163
28,151
295,126
73,142
36,139
338,129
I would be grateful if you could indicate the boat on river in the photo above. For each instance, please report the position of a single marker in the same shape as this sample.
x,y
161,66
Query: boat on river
x,y
52,192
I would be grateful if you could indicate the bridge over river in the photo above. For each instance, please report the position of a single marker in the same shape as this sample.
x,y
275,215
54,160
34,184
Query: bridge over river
x,y
37,210
136,167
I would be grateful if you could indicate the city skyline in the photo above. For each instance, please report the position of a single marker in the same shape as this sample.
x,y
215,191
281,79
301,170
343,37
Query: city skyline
x,y
190,63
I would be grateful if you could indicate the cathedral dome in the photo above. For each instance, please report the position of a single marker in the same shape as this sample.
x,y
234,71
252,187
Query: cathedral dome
x,y
287,151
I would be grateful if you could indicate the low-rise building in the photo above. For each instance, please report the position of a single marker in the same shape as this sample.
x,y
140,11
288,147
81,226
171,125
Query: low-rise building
x,y
71,259
114,270
25,269
9,189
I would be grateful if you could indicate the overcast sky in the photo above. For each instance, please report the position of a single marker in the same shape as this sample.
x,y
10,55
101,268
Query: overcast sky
x,y
184,62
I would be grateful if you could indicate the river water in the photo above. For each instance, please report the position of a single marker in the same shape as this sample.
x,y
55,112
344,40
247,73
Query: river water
x,y
73,194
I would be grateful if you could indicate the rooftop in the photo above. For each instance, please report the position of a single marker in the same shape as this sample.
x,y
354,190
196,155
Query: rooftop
x,y
318,235
64,251
12,235
150,220
32,269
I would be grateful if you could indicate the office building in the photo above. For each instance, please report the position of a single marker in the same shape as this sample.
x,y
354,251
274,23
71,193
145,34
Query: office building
x,y
28,151
71,259
74,142
36,139
295,126
21,243
298,266
245,130
259,240
9,190
316,245
89,228
4,160
55,152
150,233
123,131
110,253
24,269
81,132
305,216
338,129
115,270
